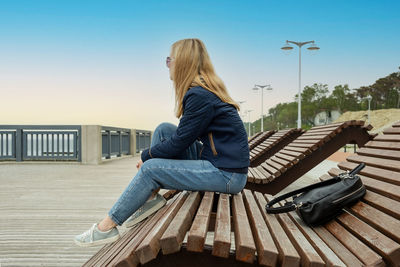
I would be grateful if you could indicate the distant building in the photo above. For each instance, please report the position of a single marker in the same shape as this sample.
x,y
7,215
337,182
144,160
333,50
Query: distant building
x,y
326,117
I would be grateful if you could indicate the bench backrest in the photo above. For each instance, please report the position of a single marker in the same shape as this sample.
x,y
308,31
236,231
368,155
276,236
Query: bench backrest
x,y
304,153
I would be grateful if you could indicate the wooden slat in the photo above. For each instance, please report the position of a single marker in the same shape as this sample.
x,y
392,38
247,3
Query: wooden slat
x,y
329,133
373,172
383,145
387,138
377,219
341,251
128,254
387,205
328,125
172,238
395,130
314,137
198,231
397,124
379,153
284,162
266,250
386,247
292,159
288,255
308,142
245,247
328,129
250,175
270,169
276,165
389,190
263,175
358,248
292,153
254,176
303,150
309,256
222,236
330,258
309,146
150,246
376,162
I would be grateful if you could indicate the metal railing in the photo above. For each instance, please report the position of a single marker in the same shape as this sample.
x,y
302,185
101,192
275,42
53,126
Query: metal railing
x,y
65,142
115,141
40,142
143,140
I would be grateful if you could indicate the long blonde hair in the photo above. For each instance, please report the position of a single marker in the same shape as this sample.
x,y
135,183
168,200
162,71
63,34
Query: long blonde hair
x,y
193,67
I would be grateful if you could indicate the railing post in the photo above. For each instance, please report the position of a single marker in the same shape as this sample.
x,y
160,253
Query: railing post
x,y
133,142
120,143
18,145
109,144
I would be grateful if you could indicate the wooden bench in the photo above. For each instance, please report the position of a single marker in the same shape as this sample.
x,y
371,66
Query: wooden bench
x,y
259,138
205,228
272,145
304,153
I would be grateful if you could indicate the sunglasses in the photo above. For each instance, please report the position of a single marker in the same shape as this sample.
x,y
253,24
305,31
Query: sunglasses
x,y
168,61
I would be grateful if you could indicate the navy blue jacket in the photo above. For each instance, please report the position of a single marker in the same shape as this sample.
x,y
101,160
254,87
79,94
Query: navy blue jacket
x,y
216,124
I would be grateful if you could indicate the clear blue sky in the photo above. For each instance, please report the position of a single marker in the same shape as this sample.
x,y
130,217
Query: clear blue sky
x,y
103,62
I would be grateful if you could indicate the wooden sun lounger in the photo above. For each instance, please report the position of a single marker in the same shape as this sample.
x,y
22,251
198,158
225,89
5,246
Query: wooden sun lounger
x,y
304,153
212,229
273,144
260,138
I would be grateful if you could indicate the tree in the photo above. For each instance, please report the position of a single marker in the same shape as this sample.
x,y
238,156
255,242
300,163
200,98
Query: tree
x,y
313,101
343,99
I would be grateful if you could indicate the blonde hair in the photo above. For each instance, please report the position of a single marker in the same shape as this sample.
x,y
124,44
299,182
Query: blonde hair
x,y
193,67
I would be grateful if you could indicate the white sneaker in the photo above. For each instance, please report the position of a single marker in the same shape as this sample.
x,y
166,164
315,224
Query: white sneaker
x,y
95,237
146,210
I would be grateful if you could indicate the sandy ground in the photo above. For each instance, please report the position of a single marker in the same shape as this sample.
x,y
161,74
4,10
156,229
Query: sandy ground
x,y
380,119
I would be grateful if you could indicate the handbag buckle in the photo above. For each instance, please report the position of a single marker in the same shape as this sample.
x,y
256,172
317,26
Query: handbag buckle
x,y
346,175
297,206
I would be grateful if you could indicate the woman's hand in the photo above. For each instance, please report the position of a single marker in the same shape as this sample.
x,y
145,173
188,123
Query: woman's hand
x,y
139,164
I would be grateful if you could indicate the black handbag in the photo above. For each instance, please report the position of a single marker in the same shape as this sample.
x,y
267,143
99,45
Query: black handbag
x,y
323,201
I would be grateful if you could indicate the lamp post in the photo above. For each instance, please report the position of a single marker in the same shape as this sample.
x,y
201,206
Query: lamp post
x,y
248,112
369,98
288,47
262,87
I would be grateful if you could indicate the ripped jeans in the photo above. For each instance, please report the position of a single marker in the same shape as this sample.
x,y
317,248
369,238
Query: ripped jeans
x,y
187,172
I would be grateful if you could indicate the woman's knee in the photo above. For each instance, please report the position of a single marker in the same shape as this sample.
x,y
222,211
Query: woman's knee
x,y
149,166
165,127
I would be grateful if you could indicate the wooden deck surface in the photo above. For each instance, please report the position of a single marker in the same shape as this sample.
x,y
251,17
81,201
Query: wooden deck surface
x,y
43,206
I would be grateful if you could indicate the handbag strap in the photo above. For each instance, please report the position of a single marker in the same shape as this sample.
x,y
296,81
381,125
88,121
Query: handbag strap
x,y
290,206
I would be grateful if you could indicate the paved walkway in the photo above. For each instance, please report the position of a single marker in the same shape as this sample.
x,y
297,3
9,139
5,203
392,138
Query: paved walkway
x,y
43,206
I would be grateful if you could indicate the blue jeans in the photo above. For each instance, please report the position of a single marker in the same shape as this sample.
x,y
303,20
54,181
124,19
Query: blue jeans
x,y
187,172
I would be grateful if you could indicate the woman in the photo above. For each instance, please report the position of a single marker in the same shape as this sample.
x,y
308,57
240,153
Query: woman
x,y
176,159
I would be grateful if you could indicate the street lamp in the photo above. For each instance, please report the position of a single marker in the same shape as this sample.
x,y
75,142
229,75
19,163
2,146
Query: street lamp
x,y
262,87
288,47
248,112
369,98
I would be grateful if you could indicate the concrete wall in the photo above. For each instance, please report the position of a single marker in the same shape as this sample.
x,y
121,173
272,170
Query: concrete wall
x,y
91,144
